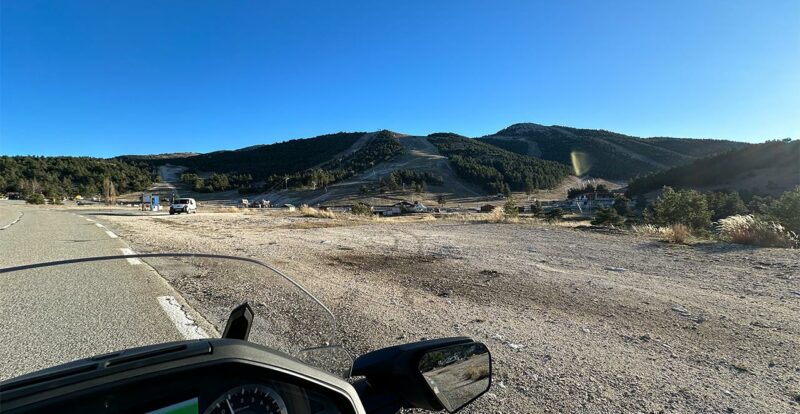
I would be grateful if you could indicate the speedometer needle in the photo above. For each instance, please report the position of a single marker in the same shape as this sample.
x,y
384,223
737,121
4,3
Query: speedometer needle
x,y
230,406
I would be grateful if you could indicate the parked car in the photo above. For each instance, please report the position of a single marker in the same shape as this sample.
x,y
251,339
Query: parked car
x,y
183,205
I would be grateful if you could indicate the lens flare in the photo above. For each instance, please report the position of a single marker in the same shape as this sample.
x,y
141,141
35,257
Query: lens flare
x,y
581,163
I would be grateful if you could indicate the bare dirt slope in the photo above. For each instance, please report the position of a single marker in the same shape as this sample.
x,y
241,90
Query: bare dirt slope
x,y
576,321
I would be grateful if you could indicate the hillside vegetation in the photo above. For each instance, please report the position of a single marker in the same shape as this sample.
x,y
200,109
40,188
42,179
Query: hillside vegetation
x,y
602,153
382,147
496,169
263,161
781,159
69,176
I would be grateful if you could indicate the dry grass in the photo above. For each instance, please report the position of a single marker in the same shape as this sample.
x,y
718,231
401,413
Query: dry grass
x,y
498,215
220,209
307,211
475,373
649,230
677,233
755,231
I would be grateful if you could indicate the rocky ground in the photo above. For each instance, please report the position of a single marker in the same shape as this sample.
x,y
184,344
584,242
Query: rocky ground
x,y
577,321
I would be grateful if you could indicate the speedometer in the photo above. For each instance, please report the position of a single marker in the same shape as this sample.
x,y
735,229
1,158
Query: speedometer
x,y
248,399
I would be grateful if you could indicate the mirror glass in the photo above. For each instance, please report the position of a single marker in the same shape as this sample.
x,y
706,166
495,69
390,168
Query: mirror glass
x,y
457,374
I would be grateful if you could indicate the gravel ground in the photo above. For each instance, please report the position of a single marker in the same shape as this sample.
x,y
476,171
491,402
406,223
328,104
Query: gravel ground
x,y
576,321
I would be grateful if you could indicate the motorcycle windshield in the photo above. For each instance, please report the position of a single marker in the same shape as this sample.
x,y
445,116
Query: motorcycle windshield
x,y
146,299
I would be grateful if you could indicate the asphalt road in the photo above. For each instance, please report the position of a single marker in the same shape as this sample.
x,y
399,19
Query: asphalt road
x,y
54,315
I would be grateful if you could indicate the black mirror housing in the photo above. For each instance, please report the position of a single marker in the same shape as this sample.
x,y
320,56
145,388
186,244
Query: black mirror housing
x,y
396,371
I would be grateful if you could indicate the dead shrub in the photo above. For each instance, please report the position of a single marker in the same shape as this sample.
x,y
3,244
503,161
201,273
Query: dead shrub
x,y
307,211
677,233
475,373
649,230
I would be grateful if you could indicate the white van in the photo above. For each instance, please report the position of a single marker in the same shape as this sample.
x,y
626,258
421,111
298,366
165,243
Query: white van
x,y
183,205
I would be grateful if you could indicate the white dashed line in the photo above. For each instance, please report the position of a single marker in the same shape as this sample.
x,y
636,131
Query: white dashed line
x,y
180,318
99,225
90,220
128,252
110,234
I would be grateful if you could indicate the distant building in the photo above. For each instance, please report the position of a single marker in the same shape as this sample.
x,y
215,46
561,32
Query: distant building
x,y
590,201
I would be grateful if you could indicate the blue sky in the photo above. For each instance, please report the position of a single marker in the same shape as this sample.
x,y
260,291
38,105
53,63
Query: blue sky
x,y
105,78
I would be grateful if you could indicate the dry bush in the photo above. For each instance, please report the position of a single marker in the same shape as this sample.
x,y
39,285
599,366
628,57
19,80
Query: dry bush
x,y
649,230
756,231
496,216
475,373
220,209
499,215
307,211
677,233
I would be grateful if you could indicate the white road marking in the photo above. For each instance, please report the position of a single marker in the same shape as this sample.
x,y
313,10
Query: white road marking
x,y
110,234
99,225
88,219
180,318
128,252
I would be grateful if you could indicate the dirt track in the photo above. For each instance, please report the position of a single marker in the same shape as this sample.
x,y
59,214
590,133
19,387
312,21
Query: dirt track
x,y
576,321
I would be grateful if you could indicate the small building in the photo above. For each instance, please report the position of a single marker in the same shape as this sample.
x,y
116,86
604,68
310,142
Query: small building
x,y
290,207
590,201
243,203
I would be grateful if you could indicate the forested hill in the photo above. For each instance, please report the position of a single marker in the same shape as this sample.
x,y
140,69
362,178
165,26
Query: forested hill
x,y
70,176
262,161
604,154
496,169
771,167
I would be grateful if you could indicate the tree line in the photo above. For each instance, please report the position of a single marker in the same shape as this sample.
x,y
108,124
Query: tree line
x,y
722,168
382,147
58,177
495,169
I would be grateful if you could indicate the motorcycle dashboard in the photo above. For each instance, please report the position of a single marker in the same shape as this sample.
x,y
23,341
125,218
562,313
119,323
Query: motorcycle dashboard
x,y
203,377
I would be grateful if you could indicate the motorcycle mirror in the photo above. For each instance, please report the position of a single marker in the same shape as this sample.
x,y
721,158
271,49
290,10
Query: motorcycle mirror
x,y
457,374
445,373
239,323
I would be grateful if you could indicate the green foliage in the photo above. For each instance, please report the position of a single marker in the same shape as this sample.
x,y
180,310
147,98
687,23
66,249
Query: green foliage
x,y
382,147
514,145
587,189
554,214
69,176
35,199
441,200
622,205
360,209
510,208
725,204
495,169
536,208
607,217
786,210
263,161
722,168
607,154
641,202
687,207
219,182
